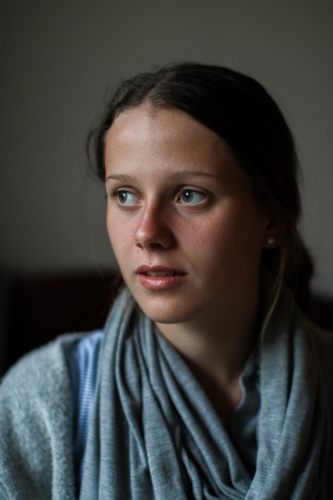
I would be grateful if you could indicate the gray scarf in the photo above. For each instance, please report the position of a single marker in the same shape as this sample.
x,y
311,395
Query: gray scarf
x,y
155,435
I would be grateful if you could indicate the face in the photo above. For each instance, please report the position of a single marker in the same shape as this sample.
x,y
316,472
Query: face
x,y
182,219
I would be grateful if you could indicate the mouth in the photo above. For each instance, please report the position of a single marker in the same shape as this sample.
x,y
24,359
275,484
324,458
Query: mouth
x,y
159,278
158,271
161,273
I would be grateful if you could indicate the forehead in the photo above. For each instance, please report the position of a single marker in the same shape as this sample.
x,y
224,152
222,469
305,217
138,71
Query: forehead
x,y
148,117
157,146
160,132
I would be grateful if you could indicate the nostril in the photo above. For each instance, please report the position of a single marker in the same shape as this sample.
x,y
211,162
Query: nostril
x,y
152,245
156,245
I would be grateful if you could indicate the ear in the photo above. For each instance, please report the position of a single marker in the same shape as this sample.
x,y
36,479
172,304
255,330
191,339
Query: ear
x,y
272,234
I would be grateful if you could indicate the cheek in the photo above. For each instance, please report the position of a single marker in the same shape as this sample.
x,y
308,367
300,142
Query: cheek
x,y
118,235
233,237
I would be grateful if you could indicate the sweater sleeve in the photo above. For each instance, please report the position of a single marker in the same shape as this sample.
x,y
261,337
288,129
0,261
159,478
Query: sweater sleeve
x,y
36,459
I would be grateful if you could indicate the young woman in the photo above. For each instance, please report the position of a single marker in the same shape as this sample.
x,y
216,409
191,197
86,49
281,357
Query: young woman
x,y
206,382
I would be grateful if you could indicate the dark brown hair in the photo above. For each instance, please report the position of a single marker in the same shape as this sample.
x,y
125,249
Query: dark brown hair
x,y
238,109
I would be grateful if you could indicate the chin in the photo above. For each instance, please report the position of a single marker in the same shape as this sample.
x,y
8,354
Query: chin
x,y
167,312
163,316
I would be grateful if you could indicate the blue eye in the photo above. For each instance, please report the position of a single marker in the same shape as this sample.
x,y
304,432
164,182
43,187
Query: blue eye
x,y
126,198
192,197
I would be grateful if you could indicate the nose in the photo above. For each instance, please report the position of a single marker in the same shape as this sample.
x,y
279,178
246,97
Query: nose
x,y
153,231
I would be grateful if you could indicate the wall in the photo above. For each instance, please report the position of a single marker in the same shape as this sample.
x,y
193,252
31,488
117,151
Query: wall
x,y
59,58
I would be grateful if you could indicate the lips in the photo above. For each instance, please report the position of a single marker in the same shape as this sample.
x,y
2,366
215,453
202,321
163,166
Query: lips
x,y
161,274
159,278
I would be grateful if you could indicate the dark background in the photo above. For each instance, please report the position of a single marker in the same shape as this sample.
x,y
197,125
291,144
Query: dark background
x,y
58,60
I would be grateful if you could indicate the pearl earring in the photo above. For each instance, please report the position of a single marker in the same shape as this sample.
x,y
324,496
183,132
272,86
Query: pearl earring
x,y
270,240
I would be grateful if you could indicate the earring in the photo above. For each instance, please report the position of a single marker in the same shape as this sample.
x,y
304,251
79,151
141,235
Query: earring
x,y
270,240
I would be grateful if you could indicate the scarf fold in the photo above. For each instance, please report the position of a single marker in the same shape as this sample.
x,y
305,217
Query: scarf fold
x,y
155,435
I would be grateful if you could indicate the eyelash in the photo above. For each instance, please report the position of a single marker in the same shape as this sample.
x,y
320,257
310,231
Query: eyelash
x,y
192,192
124,191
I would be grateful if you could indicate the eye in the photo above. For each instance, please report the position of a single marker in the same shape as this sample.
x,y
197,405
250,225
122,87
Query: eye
x,y
192,197
126,198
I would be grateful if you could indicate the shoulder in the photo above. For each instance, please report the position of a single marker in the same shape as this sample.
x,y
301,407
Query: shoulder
x,y
38,373
35,423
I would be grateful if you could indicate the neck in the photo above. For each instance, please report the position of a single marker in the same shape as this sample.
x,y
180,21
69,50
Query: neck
x,y
216,347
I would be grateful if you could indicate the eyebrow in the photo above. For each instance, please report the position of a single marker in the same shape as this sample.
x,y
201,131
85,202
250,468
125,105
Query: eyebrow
x,y
179,175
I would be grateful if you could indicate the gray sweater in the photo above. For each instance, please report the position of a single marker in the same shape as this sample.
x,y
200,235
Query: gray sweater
x,y
36,460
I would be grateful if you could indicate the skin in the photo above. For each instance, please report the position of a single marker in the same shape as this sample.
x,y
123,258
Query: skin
x,y
177,198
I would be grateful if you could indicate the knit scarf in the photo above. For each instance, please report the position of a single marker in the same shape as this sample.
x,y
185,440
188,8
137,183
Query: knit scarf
x,y
155,435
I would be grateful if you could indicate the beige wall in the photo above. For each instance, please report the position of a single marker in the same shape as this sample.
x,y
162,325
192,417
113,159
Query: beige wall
x,y
59,59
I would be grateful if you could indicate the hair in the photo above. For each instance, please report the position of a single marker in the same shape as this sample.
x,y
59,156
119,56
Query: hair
x,y
240,111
